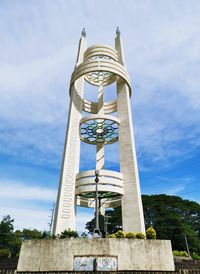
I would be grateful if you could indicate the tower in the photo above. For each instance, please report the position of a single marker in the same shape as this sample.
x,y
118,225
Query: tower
x,y
100,66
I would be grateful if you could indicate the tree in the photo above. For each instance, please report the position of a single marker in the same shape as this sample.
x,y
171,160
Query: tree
x,y
29,234
10,241
170,216
7,236
173,218
68,233
6,231
113,218
84,235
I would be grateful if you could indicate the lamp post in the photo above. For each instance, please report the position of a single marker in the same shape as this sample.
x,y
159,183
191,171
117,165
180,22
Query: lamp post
x,y
96,233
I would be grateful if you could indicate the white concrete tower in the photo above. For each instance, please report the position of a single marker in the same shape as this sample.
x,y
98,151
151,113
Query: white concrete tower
x,y
100,66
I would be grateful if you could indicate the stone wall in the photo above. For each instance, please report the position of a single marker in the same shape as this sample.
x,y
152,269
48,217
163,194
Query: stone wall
x,y
132,254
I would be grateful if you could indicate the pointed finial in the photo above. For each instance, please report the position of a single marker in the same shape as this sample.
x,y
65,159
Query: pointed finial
x,y
83,33
118,31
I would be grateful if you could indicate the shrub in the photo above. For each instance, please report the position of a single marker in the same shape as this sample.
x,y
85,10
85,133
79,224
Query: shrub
x,y
53,236
68,234
4,253
151,233
180,253
195,256
130,235
120,234
140,235
111,236
45,235
84,235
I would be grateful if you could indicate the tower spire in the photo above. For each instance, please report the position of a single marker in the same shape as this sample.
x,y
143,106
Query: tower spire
x,y
83,33
118,31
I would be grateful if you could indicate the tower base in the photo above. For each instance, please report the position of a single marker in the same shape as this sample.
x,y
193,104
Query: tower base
x,y
95,254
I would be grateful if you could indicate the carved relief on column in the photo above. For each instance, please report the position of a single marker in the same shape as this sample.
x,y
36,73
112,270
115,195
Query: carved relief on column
x,y
73,151
66,203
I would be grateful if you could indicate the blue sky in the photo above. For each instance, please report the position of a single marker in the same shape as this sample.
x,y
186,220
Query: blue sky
x,y
38,48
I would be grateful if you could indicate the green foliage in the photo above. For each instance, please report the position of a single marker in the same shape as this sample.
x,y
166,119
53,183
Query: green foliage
x,y
151,233
120,234
10,241
140,235
84,235
46,235
90,226
68,233
111,236
130,235
6,231
180,253
195,256
7,236
5,253
115,222
29,234
172,218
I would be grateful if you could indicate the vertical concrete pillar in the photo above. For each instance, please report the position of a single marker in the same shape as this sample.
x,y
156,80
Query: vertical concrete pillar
x,y
65,211
100,147
100,150
132,211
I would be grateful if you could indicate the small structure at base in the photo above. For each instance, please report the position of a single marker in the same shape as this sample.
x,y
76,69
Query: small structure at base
x,y
95,254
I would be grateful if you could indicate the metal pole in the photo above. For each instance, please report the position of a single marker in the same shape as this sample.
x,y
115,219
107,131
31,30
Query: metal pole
x,y
187,246
52,218
97,200
96,230
106,225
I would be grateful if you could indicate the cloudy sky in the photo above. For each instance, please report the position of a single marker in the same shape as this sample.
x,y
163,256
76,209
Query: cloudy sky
x,y
38,47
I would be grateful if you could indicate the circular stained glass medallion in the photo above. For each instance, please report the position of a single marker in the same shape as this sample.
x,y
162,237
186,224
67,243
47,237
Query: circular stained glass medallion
x,y
96,131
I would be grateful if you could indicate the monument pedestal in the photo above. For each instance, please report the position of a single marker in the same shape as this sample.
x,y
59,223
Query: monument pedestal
x,y
95,254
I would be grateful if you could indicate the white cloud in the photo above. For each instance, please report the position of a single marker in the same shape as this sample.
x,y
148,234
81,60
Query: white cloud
x,y
37,53
15,200
169,185
174,190
32,218
39,218
19,191
161,46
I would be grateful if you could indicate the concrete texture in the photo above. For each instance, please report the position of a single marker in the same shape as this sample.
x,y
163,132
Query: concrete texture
x,y
132,254
100,66
65,212
132,210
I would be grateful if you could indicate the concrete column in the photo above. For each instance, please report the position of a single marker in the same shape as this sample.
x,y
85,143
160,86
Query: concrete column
x,y
100,147
65,213
100,158
132,211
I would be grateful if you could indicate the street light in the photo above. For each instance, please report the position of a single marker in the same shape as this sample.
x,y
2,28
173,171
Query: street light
x,y
96,233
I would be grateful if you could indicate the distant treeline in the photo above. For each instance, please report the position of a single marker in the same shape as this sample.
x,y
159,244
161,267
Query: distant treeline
x,y
171,217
